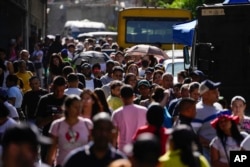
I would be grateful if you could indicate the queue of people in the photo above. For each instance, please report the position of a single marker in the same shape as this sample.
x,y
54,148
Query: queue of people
x,y
132,114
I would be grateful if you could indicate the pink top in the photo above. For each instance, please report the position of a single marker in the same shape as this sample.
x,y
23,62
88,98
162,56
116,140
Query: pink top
x,y
128,119
70,138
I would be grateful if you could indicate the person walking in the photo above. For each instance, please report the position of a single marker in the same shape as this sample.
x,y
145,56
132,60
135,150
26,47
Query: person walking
x,y
100,151
128,118
68,132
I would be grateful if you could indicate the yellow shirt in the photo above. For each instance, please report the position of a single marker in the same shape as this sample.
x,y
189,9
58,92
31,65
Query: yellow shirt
x,y
114,102
25,79
173,159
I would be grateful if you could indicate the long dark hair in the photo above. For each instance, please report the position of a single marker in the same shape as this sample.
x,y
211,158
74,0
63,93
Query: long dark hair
x,y
234,132
69,101
183,140
155,117
100,94
97,106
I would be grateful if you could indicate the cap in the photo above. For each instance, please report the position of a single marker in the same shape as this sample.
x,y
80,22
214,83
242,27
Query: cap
x,y
197,73
149,70
144,82
117,68
238,98
146,148
159,67
208,85
79,47
70,44
24,133
64,52
224,116
104,45
85,66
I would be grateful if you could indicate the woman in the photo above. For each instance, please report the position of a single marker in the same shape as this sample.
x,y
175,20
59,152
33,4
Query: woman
x,y
157,77
133,68
91,104
56,65
181,151
155,118
228,139
100,94
131,79
37,58
238,106
69,132
6,68
24,76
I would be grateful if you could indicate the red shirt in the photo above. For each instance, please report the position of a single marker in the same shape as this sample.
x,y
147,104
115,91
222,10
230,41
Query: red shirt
x,y
151,129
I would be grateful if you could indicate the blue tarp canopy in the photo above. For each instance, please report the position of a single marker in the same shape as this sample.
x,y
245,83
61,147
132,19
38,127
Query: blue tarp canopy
x,y
183,33
235,1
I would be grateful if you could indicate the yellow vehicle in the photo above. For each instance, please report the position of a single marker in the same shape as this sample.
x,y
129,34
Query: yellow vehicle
x,y
147,25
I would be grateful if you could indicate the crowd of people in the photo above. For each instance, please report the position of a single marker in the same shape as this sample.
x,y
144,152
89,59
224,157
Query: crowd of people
x,y
131,114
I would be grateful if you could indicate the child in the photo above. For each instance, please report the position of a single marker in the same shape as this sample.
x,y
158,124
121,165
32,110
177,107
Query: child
x,y
114,100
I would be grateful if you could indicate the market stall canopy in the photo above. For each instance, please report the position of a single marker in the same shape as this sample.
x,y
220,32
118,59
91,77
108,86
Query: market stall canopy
x,y
183,33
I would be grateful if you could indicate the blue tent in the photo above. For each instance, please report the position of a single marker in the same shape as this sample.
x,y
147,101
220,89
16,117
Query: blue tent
x,y
183,33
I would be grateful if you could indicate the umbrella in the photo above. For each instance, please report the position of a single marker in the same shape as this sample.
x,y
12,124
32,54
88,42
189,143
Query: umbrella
x,y
147,50
92,57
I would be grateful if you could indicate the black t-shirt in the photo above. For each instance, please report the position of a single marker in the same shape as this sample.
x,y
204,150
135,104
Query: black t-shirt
x,y
29,66
30,101
84,156
47,106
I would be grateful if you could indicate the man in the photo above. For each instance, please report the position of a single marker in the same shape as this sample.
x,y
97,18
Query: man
x,y
99,152
15,96
73,83
145,151
20,146
6,68
186,113
129,118
25,55
90,82
117,74
144,88
206,110
107,78
32,97
49,108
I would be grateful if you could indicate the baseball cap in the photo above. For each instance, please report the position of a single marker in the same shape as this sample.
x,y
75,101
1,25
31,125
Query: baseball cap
x,y
197,73
208,85
85,66
149,70
24,133
79,47
144,82
64,52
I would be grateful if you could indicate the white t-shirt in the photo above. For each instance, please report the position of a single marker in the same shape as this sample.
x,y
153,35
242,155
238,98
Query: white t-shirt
x,y
231,145
13,112
89,84
74,91
245,144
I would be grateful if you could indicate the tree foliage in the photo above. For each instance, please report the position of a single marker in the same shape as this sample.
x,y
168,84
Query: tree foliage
x,y
182,4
